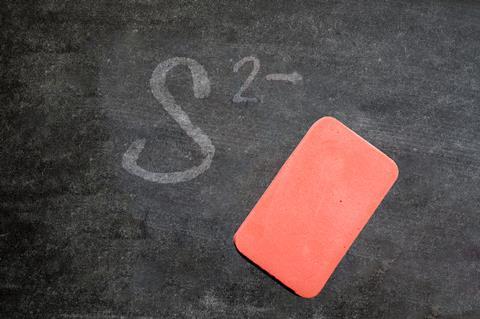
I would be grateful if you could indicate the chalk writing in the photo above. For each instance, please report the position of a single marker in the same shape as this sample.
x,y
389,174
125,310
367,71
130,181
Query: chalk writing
x,y
201,89
238,98
292,77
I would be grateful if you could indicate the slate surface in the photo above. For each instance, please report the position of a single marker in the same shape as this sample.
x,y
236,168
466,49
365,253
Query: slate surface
x,y
80,237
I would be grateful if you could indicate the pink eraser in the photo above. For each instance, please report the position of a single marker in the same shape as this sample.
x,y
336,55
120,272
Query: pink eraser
x,y
316,206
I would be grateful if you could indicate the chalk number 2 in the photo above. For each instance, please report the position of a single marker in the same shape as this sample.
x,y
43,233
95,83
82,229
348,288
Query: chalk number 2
x,y
238,98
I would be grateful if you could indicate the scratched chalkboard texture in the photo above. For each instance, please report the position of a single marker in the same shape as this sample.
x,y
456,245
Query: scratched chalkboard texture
x,y
83,234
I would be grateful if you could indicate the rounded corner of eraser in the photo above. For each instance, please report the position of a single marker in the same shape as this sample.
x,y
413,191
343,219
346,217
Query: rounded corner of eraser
x,y
316,206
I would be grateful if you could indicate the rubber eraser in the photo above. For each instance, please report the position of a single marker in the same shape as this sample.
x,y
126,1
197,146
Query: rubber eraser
x,y
316,206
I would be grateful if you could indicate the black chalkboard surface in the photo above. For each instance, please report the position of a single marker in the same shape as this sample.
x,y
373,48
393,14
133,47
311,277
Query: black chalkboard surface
x,y
138,134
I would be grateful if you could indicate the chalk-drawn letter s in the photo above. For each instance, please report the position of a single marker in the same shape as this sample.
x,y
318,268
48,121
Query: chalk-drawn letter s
x,y
201,89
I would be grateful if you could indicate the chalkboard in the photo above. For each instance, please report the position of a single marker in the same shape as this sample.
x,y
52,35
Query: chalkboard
x,y
138,134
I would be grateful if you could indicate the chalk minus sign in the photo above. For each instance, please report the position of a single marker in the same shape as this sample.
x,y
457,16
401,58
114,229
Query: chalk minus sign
x,y
292,77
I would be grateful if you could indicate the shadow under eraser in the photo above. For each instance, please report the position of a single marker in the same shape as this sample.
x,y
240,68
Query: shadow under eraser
x,y
316,206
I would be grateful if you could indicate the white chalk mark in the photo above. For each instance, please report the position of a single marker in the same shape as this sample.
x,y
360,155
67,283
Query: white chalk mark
x,y
201,89
101,315
238,98
292,77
